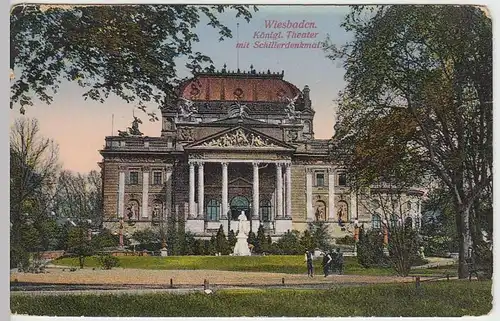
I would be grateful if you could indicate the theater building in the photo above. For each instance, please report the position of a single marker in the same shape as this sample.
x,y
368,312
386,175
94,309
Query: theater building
x,y
234,142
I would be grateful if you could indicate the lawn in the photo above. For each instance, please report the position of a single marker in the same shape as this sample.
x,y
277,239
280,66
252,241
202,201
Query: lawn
x,y
443,298
291,264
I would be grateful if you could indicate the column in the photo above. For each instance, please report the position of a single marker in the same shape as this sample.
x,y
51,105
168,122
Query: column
x,y
121,193
309,205
224,191
192,213
288,190
279,191
255,191
145,190
201,191
168,192
331,194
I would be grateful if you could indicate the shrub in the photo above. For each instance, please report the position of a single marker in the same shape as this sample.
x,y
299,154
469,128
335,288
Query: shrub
x,y
288,244
370,251
221,243
346,240
107,262
403,248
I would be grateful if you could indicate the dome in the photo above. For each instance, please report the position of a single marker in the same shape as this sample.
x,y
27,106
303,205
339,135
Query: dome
x,y
249,86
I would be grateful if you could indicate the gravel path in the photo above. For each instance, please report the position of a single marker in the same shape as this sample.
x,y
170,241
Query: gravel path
x,y
191,278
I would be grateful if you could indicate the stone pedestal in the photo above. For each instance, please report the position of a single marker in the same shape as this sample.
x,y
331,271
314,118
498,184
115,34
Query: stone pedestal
x,y
163,252
241,247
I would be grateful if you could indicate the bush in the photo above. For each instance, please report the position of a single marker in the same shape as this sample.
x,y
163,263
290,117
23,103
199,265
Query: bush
x,y
346,240
107,262
288,244
370,251
403,248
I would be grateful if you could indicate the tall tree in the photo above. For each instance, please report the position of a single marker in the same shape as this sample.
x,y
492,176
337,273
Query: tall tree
x,y
33,167
79,196
423,75
131,51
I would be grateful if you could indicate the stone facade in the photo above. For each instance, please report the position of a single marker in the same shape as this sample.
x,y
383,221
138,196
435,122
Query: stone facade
x,y
233,142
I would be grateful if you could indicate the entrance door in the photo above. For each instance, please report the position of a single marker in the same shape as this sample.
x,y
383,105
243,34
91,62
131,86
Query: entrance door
x,y
238,204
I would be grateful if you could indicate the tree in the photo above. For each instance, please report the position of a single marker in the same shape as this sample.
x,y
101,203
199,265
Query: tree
x,y
33,166
438,231
307,241
289,243
221,244
231,239
320,236
148,239
420,90
260,241
211,249
79,244
370,249
79,196
130,51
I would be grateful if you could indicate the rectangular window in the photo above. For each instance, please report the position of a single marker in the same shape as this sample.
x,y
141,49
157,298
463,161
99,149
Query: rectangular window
x,y
342,179
320,179
157,178
133,178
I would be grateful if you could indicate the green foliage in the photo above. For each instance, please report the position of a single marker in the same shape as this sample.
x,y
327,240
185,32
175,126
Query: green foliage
x,y
443,299
418,104
261,244
212,246
108,262
320,235
231,239
79,244
72,43
370,249
105,239
189,244
346,240
149,240
307,242
288,244
484,260
221,243
252,239
403,248
33,169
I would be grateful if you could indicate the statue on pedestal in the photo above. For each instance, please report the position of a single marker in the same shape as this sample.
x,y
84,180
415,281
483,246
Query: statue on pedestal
x,y
241,248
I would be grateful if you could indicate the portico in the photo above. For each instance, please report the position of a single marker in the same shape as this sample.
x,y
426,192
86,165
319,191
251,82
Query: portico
x,y
262,204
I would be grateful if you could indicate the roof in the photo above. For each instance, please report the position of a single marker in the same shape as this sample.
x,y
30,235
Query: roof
x,y
251,86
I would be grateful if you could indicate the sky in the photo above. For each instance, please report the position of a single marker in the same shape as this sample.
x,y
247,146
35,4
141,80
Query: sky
x,y
79,126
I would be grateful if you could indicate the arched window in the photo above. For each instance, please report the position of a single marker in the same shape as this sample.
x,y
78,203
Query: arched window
x,y
265,210
376,221
213,210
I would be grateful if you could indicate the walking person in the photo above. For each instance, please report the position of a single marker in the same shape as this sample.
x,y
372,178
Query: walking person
x,y
309,261
327,260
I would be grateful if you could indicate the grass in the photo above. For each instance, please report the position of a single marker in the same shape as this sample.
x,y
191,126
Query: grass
x,y
291,264
444,299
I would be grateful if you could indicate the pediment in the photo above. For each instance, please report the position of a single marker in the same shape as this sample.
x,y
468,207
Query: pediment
x,y
240,182
240,138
